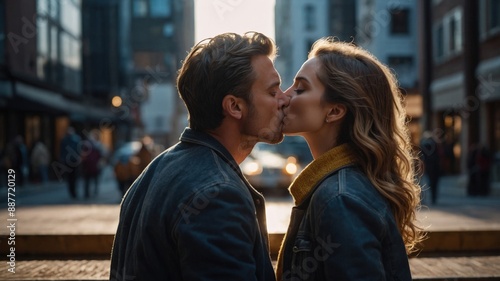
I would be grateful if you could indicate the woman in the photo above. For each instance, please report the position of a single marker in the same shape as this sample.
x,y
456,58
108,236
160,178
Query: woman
x,y
354,217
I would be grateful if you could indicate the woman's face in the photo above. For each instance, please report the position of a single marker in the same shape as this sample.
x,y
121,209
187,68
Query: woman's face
x,y
306,112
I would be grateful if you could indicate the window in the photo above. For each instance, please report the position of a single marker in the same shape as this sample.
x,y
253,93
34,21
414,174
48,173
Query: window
x,y
438,39
490,17
455,32
403,67
70,18
54,44
168,30
2,34
309,14
494,16
400,61
400,21
42,46
159,122
160,8
447,37
54,10
140,8
309,43
42,7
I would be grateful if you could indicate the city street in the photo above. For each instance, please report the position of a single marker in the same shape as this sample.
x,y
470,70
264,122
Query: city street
x,y
49,209
47,216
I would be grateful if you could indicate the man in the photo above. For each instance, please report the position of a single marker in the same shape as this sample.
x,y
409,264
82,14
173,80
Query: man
x,y
191,215
431,154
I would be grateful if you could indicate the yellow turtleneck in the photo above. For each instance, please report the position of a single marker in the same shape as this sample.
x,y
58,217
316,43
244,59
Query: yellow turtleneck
x,y
321,167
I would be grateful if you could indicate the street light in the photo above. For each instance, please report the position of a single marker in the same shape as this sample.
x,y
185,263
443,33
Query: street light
x,y
116,101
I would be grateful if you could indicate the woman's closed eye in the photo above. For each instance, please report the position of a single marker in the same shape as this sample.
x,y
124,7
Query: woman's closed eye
x,y
299,91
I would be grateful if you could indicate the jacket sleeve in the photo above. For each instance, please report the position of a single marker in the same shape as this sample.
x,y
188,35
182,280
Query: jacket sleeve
x,y
349,234
216,233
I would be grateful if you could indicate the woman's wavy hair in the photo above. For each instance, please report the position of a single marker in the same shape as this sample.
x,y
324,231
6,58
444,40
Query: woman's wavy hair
x,y
375,124
216,67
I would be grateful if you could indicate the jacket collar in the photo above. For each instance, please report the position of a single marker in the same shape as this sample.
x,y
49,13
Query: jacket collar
x,y
334,159
202,138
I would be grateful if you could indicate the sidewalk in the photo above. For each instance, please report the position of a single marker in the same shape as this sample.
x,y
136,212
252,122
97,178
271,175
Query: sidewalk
x,y
454,211
73,240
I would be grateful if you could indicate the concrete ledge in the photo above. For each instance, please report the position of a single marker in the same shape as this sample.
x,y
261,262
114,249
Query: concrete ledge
x,y
67,245
70,245
461,241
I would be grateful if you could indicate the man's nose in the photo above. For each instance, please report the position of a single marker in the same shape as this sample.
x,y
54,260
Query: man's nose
x,y
285,98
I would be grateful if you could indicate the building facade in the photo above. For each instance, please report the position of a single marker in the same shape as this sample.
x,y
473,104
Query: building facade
x,y
461,74
298,24
162,32
386,28
41,74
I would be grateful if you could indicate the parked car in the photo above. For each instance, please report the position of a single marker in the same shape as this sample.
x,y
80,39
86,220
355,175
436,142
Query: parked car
x,y
275,166
130,159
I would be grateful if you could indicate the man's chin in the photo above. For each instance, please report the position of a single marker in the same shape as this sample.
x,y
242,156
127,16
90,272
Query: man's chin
x,y
274,138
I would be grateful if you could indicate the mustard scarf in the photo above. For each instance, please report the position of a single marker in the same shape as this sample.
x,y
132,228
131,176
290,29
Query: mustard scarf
x,y
303,186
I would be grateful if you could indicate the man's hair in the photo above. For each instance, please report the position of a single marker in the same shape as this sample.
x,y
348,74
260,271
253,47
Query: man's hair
x,y
216,67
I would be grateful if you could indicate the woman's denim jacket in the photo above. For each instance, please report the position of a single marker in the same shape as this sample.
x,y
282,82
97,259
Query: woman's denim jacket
x,y
191,215
344,231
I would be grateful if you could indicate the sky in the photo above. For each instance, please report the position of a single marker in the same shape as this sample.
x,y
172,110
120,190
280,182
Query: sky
x,y
213,17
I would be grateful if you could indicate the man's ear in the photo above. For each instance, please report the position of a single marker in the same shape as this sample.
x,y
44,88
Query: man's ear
x,y
233,106
337,112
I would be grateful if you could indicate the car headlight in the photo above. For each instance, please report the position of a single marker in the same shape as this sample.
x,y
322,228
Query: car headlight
x,y
251,168
291,166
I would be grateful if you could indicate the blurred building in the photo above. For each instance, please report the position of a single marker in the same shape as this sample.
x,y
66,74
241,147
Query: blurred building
x,y
41,73
91,64
105,63
460,75
298,24
161,33
386,28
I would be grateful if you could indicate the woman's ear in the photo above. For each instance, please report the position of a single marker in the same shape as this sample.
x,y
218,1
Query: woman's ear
x,y
233,106
336,112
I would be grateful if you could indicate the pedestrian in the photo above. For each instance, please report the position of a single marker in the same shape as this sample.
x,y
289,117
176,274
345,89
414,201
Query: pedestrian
x,y
123,173
20,160
40,159
479,163
355,203
91,159
431,158
472,170
71,159
191,214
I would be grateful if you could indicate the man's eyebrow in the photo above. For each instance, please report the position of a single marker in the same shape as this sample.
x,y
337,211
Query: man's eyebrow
x,y
276,83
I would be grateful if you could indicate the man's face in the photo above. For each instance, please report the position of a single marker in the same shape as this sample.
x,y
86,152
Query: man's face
x,y
265,111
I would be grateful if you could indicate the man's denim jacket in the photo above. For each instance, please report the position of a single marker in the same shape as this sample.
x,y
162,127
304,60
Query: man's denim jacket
x,y
346,231
191,215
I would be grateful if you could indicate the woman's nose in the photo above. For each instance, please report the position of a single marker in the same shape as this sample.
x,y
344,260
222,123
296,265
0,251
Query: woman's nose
x,y
288,93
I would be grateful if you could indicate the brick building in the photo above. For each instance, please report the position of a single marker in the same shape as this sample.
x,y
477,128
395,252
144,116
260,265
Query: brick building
x,y
460,75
